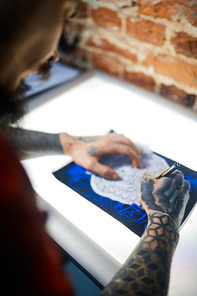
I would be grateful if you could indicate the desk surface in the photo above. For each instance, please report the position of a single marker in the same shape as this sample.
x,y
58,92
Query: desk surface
x,y
100,103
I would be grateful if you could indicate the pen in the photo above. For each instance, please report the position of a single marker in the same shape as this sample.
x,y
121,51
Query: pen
x,y
168,171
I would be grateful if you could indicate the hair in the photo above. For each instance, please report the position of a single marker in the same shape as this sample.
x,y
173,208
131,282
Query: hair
x,y
14,15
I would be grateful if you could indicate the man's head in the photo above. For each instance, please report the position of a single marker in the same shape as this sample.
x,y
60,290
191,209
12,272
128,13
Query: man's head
x,y
29,36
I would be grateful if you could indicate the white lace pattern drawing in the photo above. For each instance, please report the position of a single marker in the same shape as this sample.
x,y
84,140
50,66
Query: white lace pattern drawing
x,y
127,189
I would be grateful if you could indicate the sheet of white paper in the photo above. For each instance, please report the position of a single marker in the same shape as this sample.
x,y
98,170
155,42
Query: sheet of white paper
x,y
127,189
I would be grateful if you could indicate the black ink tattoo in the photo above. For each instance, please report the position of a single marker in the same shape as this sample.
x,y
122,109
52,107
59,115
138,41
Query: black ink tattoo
x,y
146,271
91,150
29,144
169,195
85,139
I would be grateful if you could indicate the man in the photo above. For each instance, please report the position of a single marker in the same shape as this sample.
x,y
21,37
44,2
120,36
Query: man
x,y
30,261
29,40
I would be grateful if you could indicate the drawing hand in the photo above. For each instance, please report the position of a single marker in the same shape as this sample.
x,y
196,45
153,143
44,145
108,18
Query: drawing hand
x,y
167,195
86,151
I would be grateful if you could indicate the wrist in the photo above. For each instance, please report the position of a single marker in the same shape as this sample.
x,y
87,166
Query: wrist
x,y
65,142
173,222
163,231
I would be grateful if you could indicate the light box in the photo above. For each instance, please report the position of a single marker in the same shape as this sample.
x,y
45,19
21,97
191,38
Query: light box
x,y
93,107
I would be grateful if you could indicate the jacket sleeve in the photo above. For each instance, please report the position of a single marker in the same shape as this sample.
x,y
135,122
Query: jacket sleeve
x,y
31,264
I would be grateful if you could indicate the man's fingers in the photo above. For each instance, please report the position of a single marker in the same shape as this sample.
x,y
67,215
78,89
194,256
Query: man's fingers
x,y
148,177
148,180
177,180
104,171
126,150
162,172
182,193
121,139
135,158
141,201
186,188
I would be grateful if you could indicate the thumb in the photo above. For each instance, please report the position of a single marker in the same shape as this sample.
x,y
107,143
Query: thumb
x,y
104,171
148,177
147,183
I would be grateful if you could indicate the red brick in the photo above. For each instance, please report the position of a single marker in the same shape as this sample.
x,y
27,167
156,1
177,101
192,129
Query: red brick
x,y
173,67
185,44
188,3
164,9
120,3
190,14
175,94
140,79
82,11
168,9
105,63
106,18
106,45
146,31
72,31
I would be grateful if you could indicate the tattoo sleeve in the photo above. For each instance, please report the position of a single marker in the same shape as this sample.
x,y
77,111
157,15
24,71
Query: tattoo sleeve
x,y
146,271
87,139
29,144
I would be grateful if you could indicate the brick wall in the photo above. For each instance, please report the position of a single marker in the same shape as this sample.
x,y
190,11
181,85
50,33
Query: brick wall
x,y
150,43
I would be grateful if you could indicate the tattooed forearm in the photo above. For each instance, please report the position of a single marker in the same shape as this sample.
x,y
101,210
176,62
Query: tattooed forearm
x,y
87,139
146,271
31,144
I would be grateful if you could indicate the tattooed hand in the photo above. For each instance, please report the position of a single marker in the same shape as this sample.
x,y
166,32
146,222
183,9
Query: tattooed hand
x,y
168,195
86,151
147,270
